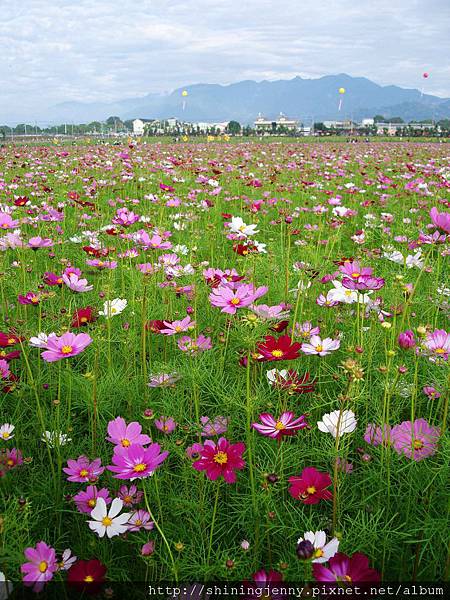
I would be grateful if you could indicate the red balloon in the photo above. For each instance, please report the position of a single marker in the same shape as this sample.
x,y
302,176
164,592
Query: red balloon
x,y
425,75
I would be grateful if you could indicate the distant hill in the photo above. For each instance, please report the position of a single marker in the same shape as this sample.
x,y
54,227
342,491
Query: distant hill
x,y
242,101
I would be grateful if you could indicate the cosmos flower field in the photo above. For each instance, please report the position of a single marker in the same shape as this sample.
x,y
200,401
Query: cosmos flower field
x,y
224,362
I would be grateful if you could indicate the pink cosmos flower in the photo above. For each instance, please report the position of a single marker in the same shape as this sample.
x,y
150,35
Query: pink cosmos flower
x,y
41,567
194,452
130,495
267,313
365,282
346,569
216,427
154,242
429,391
125,217
376,436
194,346
4,369
354,270
7,222
83,471
146,268
101,264
321,347
73,282
306,330
406,339
140,520
417,441
87,500
287,424
221,459
69,344
29,298
136,462
37,242
179,326
165,424
229,299
438,343
125,435
441,220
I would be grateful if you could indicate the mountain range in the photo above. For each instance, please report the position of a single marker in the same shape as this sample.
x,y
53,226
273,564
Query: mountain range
x,y
305,99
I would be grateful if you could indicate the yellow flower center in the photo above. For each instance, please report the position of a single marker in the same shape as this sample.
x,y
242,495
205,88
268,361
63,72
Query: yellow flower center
x,y
356,275
84,473
106,521
128,499
235,301
319,348
11,341
280,426
34,299
92,502
88,579
418,444
5,435
83,320
277,353
140,467
318,553
178,328
311,489
138,522
66,349
113,311
43,566
10,462
125,443
440,351
348,578
221,458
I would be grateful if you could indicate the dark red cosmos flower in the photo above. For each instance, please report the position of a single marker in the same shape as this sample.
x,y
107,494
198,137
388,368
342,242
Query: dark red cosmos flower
x,y
87,575
155,325
9,339
295,383
83,316
346,569
226,215
9,355
278,349
96,251
21,201
244,249
279,327
311,486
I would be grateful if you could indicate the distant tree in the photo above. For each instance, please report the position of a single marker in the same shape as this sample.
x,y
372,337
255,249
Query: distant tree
x,y
273,126
234,128
396,120
379,119
319,126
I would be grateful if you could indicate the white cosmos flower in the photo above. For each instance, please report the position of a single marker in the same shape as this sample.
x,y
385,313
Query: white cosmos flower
x,y
329,423
40,341
414,260
322,550
6,431
342,294
112,308
274,375
55,438
237,225
109,522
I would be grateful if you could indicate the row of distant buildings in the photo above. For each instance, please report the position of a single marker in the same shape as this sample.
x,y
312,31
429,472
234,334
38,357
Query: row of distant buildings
x,y
281,124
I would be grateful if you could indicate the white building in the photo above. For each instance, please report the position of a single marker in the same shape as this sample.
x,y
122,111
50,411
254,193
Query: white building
x,y
138,127
367,122
262,124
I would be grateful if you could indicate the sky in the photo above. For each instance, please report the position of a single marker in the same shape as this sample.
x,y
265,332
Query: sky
x,y
55,51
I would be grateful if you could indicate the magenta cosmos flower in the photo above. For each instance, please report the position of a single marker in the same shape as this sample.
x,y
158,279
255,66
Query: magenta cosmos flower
x,y
136,462
377,436
83,471
85,501
41,566
415,441
311,486
354,270
346,569
221,459
438,344
441,220
125,435
194,346
287,424
69,344
179,326
229,300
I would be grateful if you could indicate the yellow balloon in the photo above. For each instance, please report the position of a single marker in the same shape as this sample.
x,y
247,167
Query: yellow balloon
x,y
342,90
184,93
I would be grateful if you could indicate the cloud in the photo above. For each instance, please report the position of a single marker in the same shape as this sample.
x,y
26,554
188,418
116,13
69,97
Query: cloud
x,y
97,50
